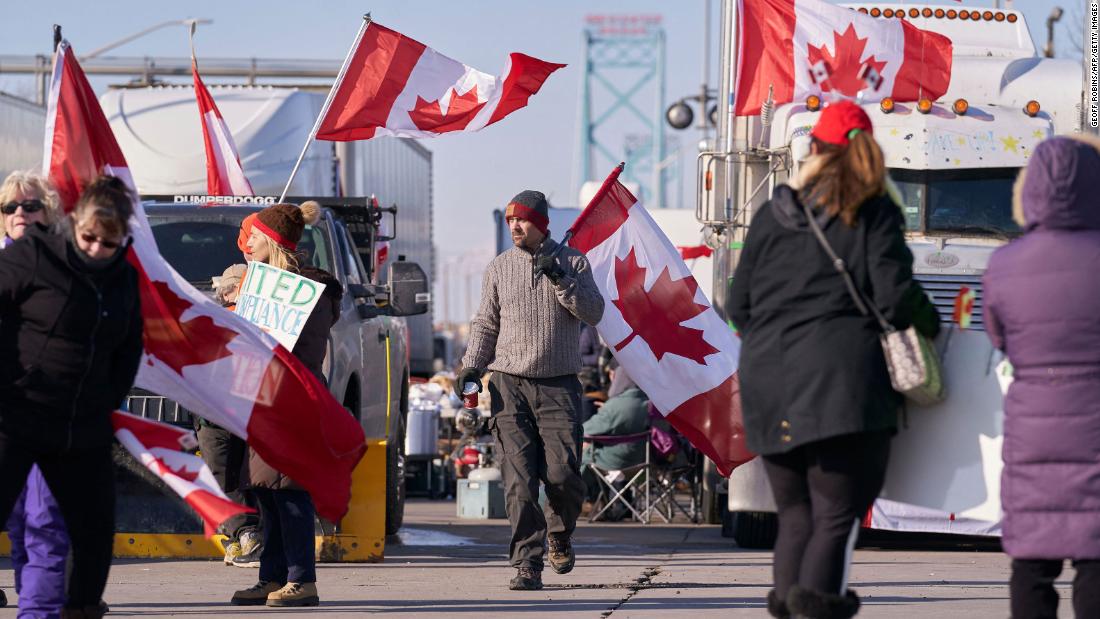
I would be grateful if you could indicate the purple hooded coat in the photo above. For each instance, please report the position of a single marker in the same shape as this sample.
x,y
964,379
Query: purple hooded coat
x,y
1042,308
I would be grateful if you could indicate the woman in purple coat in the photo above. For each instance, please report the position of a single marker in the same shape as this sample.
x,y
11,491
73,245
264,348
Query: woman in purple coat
x,y
1042,308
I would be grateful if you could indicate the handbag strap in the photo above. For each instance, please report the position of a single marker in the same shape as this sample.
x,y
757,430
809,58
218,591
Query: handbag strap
x,y
842,268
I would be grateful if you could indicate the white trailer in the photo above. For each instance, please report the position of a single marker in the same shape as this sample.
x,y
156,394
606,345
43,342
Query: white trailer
x,y
22,125
953,163
159,132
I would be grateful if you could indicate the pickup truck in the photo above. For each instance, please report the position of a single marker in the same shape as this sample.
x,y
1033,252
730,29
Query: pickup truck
x,y
366,367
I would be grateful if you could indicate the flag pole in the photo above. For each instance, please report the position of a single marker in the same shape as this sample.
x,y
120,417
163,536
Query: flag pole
x,y
328,103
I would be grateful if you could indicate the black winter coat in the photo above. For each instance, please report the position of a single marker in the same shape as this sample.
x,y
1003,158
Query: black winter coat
x,y
310,350
70,341
811,365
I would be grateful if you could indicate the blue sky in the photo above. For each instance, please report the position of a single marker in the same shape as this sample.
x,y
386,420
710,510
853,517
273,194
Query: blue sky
x,y
474,173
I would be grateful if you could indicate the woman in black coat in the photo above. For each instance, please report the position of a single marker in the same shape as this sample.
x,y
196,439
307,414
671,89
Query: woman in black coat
x,y
70,344
816,394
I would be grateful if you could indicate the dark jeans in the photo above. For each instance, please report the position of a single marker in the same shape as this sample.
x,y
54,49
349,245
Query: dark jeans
x,y
537,434
83,484
226,455
822,490
289,540
1032,588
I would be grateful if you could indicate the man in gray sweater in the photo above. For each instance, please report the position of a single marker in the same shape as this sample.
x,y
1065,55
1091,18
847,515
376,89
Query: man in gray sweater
x,y
527,331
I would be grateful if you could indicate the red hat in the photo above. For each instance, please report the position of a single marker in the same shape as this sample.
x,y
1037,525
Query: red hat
x,y
839,121
246,231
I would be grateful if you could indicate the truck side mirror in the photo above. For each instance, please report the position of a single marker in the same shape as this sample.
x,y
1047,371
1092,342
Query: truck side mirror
x,y
408,285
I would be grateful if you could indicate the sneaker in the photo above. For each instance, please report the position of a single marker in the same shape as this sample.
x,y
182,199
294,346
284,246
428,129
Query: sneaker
x,y
256,595
295,594
251,549
526,579
561,555
232,551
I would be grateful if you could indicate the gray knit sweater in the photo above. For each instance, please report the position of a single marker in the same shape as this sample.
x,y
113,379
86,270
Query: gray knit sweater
x,y
532,328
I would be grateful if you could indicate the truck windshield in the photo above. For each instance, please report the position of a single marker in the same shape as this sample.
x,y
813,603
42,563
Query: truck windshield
x,y
199,250
974,202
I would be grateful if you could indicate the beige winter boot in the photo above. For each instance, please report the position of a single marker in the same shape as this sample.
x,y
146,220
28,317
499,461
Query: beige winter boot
x,y
295,594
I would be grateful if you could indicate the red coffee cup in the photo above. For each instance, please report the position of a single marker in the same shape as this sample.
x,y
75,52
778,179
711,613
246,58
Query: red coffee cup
x,y
469,395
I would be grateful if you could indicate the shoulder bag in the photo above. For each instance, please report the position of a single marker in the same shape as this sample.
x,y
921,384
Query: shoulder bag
x,y
911,359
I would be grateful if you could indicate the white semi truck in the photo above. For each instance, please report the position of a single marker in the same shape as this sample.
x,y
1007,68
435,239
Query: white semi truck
x,y
953,161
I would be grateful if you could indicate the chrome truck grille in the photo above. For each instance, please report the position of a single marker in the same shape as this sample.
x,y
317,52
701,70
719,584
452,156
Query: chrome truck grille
x,y
158,408
945,288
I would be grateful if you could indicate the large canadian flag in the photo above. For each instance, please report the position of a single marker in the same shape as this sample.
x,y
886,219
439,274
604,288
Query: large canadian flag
x,y
224,174
805,47
660,325
394,85
163,449
210,360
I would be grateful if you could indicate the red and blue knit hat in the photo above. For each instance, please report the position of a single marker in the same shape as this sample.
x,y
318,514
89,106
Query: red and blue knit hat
x,y
532,206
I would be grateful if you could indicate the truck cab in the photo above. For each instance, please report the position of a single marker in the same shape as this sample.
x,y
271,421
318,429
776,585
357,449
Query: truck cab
x,y
952,164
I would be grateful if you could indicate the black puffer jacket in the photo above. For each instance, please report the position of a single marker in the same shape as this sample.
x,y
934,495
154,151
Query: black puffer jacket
x,y
310,350
70,341
811,364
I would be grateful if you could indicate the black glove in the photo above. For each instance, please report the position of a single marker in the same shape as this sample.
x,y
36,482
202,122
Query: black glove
x,y
548,266
468,375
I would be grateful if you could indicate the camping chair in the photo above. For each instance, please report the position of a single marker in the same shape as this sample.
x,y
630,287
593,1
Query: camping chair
x,y
637,479
667,479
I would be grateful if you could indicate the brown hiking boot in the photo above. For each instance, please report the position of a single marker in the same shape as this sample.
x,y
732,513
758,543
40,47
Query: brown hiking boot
x,y
561,555
295,594
256,595
526,579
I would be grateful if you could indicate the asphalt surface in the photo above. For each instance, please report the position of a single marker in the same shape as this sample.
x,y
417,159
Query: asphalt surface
x,y
444,566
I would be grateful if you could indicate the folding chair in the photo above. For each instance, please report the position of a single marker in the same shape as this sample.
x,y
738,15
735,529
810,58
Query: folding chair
x,y
665,500
636,477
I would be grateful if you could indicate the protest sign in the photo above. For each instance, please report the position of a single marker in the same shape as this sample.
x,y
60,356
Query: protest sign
x,y
277,301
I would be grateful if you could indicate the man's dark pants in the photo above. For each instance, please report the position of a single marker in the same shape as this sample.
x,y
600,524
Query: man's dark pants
x,y
226,455
538,438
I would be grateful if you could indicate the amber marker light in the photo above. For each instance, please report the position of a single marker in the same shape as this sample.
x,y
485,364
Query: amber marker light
x,y
886,105
987,16
924,106
952,13
875,12
888,13
1032,108
926,12
914,13
960,106
1012,18
940,13
813,103
975,15
863,10
999,16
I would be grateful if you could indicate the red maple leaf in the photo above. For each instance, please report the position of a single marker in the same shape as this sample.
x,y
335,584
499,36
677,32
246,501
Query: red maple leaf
x,y
182,472
178,344
460,111
656,315
845,64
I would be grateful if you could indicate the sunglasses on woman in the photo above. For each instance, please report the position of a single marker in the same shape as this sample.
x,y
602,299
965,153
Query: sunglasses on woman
x,y
29,206
91,238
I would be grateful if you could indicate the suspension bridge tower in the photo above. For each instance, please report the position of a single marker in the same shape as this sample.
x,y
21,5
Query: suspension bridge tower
x,y
622,104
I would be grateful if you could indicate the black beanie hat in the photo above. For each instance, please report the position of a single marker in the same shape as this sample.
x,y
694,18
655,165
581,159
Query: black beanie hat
x,y
284,223
532,206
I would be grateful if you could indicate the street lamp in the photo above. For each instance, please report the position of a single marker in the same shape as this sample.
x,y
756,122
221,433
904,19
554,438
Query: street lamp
x,y
174,22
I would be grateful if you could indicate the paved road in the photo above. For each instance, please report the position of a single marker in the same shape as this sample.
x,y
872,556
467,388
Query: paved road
x,y
450,567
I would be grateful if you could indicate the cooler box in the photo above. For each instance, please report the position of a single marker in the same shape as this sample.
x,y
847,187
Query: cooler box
x,y
481,499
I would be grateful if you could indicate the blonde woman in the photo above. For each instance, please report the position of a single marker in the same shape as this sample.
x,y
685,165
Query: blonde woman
x,y
39,541
288,575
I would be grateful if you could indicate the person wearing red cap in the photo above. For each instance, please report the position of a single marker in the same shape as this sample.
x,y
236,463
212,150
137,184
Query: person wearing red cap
x,y
815,390
527,331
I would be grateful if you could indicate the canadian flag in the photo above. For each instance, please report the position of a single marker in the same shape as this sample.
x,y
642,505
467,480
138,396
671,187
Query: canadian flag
x,y
805,47
660,326
394,85
210,360
224,174
159,447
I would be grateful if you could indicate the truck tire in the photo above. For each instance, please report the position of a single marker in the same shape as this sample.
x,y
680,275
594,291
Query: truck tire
x,y
395,469
755,530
